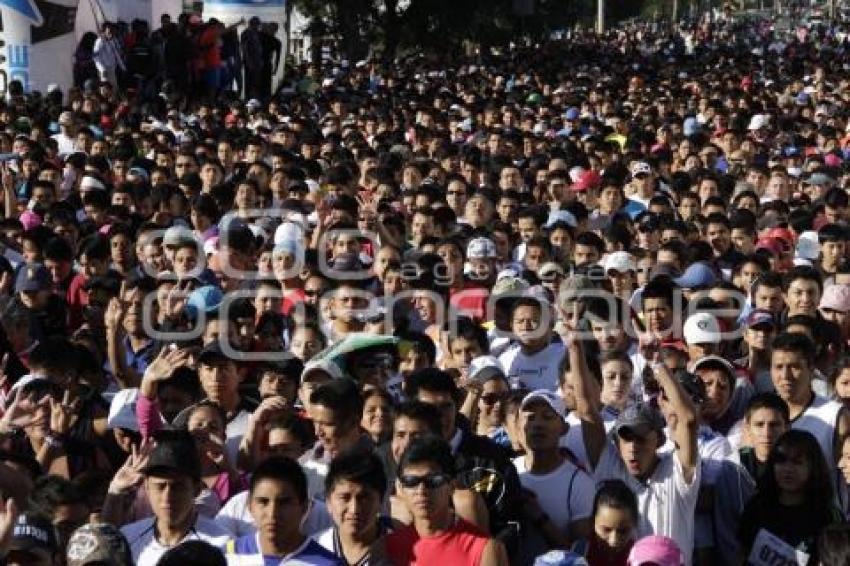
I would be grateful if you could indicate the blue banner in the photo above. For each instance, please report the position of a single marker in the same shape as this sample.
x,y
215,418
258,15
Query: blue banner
x,y
27,8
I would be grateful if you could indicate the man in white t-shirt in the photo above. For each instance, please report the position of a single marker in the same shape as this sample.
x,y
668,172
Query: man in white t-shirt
x,y
792,367
172,479
559,495
66,139
534,362
666,485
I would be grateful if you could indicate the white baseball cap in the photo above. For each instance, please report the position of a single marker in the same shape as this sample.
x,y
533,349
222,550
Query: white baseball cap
x,y
702,328
621,262
484,368
122,410
549,397
481,248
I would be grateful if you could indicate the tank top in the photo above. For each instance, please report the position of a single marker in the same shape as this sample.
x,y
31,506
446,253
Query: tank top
x,y
461,545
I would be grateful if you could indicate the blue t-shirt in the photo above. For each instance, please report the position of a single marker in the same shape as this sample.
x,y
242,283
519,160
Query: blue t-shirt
x,y
246,550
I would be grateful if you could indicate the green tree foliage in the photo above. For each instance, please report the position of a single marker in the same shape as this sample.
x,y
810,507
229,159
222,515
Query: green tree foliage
x,y
443,27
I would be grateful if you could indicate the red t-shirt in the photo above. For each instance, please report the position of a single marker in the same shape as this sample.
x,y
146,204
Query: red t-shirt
x,y
461,545
77,299
210,48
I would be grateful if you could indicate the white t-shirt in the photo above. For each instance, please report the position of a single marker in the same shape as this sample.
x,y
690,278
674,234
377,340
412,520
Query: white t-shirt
x,y
820,419
565,494
316,469
147,550
66,143
666,502
537,371
711,445
236,519
235,430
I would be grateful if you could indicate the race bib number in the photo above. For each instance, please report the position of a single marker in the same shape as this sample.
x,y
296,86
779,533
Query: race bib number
x,y
770,550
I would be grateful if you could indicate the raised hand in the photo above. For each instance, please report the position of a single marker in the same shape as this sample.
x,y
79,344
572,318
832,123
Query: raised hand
x,y
8,518
129,476
270,407
568,322
6,283
175,301
62,413
166,362
16,417
116,310
8,178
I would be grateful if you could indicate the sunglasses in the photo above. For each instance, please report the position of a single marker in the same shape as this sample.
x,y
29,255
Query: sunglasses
x,y
431,481
312,292
493,398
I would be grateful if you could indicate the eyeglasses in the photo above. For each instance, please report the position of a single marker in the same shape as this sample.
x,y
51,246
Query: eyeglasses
x,y
431,481
312,292
493,398
456,193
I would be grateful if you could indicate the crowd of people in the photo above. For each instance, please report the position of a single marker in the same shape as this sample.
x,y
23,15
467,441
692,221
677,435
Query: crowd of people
x,y
581,303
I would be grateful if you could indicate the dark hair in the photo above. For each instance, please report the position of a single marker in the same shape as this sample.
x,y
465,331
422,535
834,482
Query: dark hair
x,y
182,419
280,468
342,397
770,280
836,198
429,449
299,428
617,495
95,246
51,354
430,379
422,412
360,467
52,491
420,342
832,233
803,272
467,329
768,400
657,289
819,485
834,545
57,249
838,367
794,342
193,553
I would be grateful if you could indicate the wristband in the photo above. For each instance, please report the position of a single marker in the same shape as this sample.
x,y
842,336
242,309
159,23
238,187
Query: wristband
x,y
55,441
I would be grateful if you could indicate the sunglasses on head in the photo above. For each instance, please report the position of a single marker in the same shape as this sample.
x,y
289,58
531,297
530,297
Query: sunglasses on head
x,y
431,481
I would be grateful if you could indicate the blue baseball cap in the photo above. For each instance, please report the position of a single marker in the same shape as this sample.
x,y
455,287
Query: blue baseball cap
x,y
206,298
696,275
572,114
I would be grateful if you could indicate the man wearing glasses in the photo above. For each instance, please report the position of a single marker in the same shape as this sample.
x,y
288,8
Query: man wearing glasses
x,y
426,483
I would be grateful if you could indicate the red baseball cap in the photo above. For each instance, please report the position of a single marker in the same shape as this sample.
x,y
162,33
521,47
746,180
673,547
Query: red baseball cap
x,y
773,245
587,180
784,234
